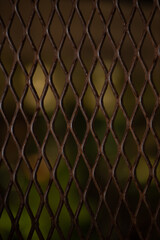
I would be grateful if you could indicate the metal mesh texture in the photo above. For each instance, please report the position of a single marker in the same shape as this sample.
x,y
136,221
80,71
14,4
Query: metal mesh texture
x,y
79,119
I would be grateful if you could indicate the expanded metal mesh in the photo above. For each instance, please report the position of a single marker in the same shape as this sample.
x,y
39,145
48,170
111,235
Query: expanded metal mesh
x,y
79,119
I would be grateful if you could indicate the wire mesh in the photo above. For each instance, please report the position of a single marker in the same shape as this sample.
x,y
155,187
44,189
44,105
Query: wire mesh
x,y
79,119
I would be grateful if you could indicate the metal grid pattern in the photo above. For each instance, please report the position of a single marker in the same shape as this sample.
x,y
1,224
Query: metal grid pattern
x,y
79,119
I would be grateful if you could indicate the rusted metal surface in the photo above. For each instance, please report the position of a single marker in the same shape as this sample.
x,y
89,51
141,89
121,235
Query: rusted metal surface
x,y
79,119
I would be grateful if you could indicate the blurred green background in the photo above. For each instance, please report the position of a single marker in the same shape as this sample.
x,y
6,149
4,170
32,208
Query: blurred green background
x,y
77,150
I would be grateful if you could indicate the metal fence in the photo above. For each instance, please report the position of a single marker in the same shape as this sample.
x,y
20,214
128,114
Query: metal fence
x,y
79,119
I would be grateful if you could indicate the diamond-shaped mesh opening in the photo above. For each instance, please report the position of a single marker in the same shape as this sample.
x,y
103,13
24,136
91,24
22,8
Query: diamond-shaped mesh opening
x,y
132,197
45,9
9,100
26,12
65,9
84,220
87,53
136,19
5,224
127,59
116,26
5,176
130,148
58,78
56,235
145,10
33,199
20,128
109,101
150,147
79,125
13,201
64,220
145,224
29,104
142,172
51,149
104,220
96,23
39,128
117,78
90,144
56,29
92,197
44,222
69,102
85,9
59,126
107,47
89,101
49,102
138,82
155,78
78,78
67,49
79,119
149,105
38,80
102,173
48,54
53,198
82,178
73,198
76,24
7,51
126,11
23,222
11,152
147,53
155,122
5,7
3,131
23,176
158,172
123,220
36,30
122,173
18,81
129,106
99,125
16,31
139,129
1,34
154,23
111,148
152,197
71,149
62,174
27,55
119,124
112,197
31,151
98,78
43,174
3,83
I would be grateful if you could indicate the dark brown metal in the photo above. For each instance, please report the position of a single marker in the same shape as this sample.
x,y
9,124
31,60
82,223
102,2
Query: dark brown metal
x,y
79,119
